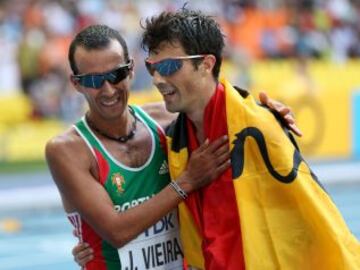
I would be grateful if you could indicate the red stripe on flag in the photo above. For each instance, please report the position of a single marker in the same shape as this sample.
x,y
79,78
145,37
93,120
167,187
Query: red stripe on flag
x,y
214,207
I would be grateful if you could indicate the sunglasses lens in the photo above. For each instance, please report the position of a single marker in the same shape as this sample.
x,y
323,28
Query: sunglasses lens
x,y
97,81
165,67
118,75
91,81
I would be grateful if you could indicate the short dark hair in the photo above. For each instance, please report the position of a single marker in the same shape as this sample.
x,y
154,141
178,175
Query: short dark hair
x,y
95,37
196,32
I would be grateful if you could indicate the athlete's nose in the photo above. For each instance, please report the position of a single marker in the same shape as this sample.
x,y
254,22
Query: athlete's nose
x,y
108,88
157,78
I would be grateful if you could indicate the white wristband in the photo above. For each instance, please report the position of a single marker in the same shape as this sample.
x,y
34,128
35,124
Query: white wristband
x,y
178,190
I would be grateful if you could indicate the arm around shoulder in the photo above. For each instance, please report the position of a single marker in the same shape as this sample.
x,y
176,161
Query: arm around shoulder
x,y
159,113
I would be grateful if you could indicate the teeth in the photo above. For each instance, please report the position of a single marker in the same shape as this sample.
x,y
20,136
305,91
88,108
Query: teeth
x,y
168,92
109,102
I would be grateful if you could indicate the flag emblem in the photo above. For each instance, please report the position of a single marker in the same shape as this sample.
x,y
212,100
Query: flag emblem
x,y
118,180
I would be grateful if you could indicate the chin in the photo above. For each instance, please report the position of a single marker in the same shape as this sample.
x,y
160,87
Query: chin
x,y
171,108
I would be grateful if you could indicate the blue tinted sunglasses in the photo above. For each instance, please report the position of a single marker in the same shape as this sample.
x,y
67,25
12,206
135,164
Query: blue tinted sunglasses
x,y
97,80
168,66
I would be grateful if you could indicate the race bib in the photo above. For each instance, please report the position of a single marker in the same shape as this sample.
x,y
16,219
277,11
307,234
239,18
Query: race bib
x,y
158,247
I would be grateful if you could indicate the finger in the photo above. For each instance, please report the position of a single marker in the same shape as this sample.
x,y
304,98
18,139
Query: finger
x,y
295,129
220,169
79,247
223,158
203,146
263,97
269,102
217,144
84,261
283,110
222,149
84,256
289,119
84,253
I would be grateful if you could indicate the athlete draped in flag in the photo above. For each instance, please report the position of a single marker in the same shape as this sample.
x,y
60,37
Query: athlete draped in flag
x,y
267,211
111,168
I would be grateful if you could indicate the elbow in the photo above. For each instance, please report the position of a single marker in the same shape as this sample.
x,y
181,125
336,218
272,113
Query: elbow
x,y
116,239
117,232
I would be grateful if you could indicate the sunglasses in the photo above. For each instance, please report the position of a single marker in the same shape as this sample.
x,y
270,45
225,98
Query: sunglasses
x,y
168,66
97,80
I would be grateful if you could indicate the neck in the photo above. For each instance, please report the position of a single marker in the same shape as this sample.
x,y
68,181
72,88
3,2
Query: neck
x,y
120,129
196,115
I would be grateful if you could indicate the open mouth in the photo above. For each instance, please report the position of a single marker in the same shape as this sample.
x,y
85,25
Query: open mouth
x,y
168,92
109,102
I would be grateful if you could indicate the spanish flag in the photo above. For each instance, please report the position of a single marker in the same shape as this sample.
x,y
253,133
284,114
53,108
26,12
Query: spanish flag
x,y
268,211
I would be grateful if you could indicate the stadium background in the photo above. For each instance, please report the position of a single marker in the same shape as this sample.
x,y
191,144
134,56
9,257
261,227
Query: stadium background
x,y
304,53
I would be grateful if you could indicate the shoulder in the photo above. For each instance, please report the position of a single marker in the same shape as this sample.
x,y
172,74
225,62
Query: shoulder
x,y
64,140
68,145
159,113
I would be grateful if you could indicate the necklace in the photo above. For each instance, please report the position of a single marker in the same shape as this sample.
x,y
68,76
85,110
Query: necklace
x,y
121,139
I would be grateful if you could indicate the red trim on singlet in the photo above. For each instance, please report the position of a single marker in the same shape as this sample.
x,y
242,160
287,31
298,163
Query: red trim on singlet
x,y
214,207
103,166
95,242
88,235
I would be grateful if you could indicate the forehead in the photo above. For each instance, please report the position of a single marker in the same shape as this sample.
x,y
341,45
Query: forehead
x,y
167,50
99,60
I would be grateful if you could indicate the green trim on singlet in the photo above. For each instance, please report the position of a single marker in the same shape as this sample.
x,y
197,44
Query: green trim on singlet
x,y
139,184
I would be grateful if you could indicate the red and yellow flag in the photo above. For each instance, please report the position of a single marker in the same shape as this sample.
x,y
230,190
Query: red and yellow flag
x,y
268,211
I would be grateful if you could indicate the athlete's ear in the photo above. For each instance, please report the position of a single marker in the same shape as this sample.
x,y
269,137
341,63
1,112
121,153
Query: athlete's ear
x,y
208,63
75,83
131,74
132,70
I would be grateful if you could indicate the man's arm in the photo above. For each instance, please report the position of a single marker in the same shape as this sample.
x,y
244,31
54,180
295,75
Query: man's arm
x,y
159,113
164,118
70,164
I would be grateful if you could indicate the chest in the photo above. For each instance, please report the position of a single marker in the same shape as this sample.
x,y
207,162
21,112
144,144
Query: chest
x,y
135,152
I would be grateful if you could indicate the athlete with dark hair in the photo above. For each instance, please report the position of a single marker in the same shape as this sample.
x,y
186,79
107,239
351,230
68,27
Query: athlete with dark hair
x,y
111,168
267,211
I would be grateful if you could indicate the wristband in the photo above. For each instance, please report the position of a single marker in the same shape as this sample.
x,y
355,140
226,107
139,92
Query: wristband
x,y
178,190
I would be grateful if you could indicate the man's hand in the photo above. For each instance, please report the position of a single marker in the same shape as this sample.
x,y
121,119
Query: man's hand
x,y
283,111
206,164
82,253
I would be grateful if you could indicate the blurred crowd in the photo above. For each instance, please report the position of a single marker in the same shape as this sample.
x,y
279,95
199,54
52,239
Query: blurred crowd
x,y
35,35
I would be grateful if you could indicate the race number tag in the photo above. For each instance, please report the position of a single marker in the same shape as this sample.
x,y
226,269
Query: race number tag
x,y
158,247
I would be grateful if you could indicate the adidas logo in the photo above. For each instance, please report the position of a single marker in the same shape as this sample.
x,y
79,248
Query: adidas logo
x,y
164,168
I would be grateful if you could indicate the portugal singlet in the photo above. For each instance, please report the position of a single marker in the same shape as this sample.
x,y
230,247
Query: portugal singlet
x,y
159,246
